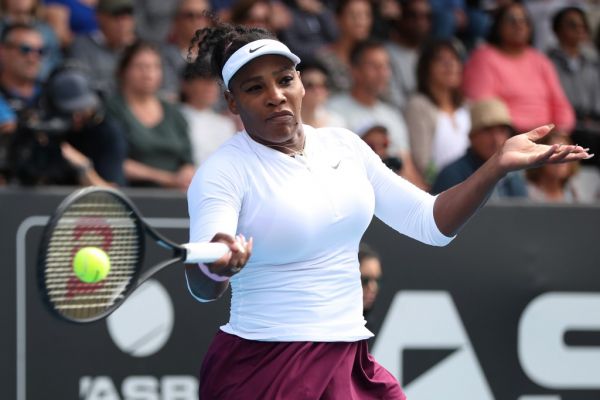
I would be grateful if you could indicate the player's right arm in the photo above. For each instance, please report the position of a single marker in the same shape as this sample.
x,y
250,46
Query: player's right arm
x,y
214,204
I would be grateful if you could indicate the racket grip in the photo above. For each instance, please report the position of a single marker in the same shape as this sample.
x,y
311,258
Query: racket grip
x,y
204,252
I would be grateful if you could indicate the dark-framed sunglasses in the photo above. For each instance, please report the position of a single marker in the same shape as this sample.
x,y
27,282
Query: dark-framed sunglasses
x,y
366,280
192,15
26,49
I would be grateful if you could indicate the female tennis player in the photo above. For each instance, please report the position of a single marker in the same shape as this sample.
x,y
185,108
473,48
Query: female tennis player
x,y
304,197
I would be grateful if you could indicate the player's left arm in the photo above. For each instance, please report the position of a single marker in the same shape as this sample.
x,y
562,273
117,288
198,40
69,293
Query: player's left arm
x,y
453,207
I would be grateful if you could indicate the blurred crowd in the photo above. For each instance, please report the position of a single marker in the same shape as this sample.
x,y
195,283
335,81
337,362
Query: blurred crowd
x,y
100,92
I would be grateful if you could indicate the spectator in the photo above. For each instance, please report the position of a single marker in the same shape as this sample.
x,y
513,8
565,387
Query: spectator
x,y
558,183
449,17
208,129
409,34
377,137
370,276
371,75
438,121
260,14
69,18
8,124
313,26
28,12
354,20
491,126
100,51
153,18
71,142
157,133
509,68
315,82
542,12
21,54
385,15
578,69
190,16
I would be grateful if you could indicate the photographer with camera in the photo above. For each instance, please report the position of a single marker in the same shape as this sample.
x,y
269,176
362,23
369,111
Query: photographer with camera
x,y
60,134
69,139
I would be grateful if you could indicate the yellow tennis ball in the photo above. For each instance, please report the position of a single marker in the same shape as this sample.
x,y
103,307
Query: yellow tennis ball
x,y
91,264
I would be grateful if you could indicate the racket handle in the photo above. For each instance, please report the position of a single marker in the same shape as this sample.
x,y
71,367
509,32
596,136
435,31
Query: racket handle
x,y
204,252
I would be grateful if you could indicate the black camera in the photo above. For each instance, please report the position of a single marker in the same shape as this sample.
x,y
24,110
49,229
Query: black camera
x,y
35,155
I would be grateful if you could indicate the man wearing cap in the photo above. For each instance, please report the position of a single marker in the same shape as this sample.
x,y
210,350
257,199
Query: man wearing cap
x,y
100,51
491,126
70,142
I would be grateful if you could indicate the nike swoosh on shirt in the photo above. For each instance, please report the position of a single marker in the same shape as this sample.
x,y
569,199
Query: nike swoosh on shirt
x,y
336,165
253,50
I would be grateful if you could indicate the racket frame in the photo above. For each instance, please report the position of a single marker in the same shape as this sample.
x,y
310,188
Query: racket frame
x,y
137,278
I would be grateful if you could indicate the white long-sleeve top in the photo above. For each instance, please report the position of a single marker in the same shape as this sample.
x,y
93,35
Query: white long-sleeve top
x,y
307,215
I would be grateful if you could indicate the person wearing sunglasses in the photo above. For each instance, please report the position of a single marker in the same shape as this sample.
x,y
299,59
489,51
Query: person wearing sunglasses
x,y
21,54
28,12
370,276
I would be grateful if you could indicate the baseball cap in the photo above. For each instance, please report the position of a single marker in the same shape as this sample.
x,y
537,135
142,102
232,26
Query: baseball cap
x,y
114,6
488,113
69,91
252,50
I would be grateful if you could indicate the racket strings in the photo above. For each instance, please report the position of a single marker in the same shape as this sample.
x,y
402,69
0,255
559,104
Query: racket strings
x,y
97,220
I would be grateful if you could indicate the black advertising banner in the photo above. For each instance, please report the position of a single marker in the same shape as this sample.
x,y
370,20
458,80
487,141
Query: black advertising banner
x,y
150,348
510,310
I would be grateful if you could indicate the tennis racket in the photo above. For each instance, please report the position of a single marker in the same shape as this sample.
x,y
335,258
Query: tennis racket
x,y
106,219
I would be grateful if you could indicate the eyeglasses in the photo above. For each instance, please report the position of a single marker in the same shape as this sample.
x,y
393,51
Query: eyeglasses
x,y
26,49
192,15
367,280
314,85
513,19
575,24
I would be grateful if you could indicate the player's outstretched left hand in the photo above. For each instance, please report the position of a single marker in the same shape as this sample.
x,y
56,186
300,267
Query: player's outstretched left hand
x,y
521,151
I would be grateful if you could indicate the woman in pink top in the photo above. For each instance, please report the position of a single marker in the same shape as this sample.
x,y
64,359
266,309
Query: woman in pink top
x,y
509,68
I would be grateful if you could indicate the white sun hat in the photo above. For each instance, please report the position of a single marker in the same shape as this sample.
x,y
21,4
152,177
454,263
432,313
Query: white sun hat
x,y
250,51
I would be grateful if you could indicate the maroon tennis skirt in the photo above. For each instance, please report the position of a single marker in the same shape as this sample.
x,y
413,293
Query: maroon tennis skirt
x,y
240,369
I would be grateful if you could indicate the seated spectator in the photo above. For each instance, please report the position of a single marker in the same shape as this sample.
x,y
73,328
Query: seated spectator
x,y
371,75
190,16
100,50
207,129
315,82
21,54
491,126
578,69
370,276
438,121
8,124
70,142
385,13
510,69
376,136
153,19
313,26
270,15
558,183
354,20
157,133
408,35
69,18
27,12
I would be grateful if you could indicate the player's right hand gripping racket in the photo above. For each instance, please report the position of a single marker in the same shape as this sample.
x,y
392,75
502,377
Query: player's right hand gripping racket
x,y
102,218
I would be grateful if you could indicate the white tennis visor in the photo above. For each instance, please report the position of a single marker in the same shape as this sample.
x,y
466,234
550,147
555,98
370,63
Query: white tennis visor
x,y
250,51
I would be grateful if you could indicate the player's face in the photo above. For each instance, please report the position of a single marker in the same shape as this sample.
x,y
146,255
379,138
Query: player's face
x,y
267,94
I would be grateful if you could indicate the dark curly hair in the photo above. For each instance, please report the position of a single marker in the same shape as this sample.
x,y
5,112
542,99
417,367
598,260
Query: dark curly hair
x,y
217,43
